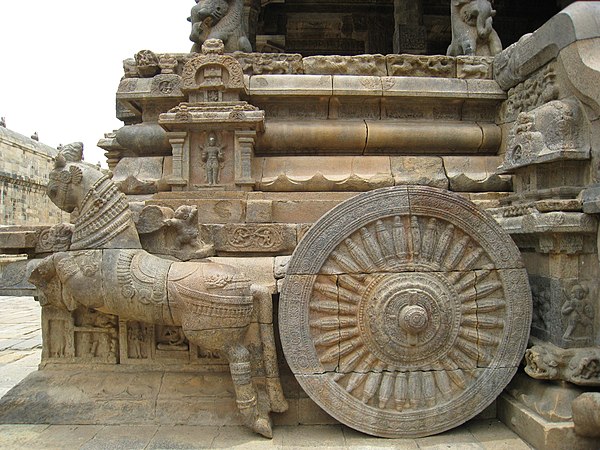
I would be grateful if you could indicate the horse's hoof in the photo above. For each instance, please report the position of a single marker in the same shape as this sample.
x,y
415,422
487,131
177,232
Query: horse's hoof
x,y
262,426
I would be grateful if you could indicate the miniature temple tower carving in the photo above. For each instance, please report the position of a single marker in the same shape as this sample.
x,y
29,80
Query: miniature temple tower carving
x,y
203,158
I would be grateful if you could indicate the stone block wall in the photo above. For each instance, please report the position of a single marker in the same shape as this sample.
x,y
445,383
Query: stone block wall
x,y
24,168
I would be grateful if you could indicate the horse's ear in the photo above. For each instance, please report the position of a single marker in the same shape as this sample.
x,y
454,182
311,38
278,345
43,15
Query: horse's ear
x,y
60,161
76,174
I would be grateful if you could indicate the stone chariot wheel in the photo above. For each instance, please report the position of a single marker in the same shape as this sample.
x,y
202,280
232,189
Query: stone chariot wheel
x,y
405,311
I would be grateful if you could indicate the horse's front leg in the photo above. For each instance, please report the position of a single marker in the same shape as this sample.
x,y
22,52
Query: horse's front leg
x,y
245,393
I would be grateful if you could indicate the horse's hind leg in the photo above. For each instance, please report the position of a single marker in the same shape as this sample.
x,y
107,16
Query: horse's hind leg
x,y
245,393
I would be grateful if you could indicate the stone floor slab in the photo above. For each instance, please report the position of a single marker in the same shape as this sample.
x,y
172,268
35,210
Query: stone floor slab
x,y
183,437
122,438
17,436
240,437
321,436
356,439
493,435
61,437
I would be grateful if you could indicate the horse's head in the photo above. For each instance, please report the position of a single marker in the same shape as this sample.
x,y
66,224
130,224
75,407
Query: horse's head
x,y
44,277
65,179
48,275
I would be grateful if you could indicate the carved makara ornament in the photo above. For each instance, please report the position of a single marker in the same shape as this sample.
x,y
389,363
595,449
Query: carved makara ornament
x,y
213,303
405,306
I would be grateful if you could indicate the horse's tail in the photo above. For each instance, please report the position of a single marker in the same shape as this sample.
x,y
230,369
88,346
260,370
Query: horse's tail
x,y
264,304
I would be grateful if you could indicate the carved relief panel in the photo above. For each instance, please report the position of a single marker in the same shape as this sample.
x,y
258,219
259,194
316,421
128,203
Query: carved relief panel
x,y
83,336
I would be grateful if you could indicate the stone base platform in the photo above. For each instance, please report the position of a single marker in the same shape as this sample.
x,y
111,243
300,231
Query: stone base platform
x,y
118,397
539,432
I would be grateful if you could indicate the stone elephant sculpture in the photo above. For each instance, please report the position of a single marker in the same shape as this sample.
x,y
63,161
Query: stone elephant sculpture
x,y
472,32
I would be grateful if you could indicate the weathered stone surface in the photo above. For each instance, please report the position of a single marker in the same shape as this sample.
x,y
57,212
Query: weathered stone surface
x,y
304,211
476,174
374,65
340,173
308,84
422,170
20,240
14,278
421,66
379,365
580,366
586,414
474,67
270,63
541,414
259,211
576,22
281,265
139,175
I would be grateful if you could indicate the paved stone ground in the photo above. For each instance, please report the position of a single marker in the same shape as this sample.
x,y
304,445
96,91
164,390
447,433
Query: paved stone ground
x,y
20,350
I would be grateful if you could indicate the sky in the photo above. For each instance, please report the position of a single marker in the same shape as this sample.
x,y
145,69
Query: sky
x,y
61,62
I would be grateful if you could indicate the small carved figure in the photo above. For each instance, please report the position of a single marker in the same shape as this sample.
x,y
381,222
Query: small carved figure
x,y
167,64
137,337
219,19
579,314
147,63
472,32
58,347
212,156
185,224
172,338
35,136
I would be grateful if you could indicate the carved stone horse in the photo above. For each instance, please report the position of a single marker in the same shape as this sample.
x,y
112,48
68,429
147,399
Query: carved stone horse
x,y
107,270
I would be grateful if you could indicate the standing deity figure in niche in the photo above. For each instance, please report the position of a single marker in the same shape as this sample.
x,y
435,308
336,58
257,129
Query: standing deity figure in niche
x,y
212,156
579,314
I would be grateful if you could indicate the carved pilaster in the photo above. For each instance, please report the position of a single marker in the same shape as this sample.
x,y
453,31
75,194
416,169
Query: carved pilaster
x,y
251,12
181,169
244,151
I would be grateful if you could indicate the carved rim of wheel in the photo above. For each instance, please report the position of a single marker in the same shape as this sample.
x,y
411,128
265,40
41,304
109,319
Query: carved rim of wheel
x,y
405,311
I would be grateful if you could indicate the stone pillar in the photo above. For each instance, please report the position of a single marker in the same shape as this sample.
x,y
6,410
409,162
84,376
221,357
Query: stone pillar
x,y
251,12
551,145
410,35
180,176
244,151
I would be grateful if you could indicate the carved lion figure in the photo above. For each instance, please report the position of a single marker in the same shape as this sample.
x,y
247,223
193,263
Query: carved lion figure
x,y
219,19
